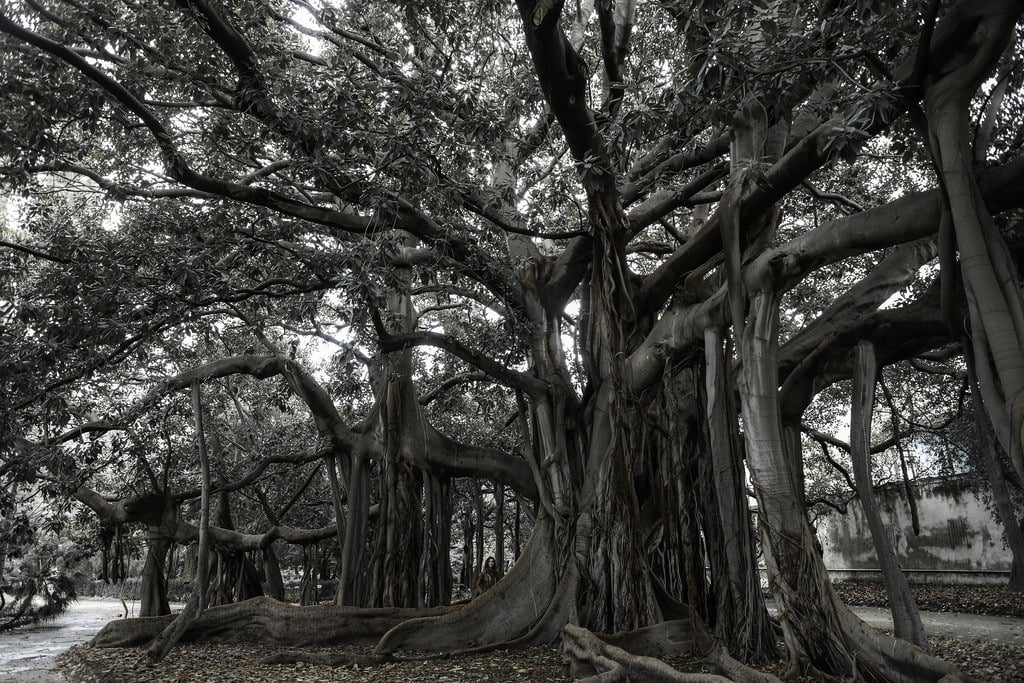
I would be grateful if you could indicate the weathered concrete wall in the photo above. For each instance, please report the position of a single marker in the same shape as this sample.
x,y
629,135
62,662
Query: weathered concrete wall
x,y
958,533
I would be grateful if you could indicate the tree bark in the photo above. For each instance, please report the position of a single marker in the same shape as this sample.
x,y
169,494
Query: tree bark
x,y
194,609
960,63
821,633
746,626
266,620
905,615
994,473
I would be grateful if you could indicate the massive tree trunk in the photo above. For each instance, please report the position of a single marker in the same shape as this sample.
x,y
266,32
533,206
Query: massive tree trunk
x,y
638,481
963,55
821,633
743,621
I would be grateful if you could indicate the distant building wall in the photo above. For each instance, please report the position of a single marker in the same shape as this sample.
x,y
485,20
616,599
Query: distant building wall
x,y
958,534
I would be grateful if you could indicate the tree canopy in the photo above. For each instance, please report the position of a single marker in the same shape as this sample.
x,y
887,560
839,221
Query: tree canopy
x,y
608,260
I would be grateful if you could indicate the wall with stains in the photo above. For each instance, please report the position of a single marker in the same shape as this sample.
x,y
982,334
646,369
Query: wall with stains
x,y
957,532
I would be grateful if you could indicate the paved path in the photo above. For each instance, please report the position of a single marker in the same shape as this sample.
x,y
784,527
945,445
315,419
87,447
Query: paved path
x,y
26,655
969,627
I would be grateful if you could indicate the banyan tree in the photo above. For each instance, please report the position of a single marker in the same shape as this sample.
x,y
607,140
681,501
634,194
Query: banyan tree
x,y
596,257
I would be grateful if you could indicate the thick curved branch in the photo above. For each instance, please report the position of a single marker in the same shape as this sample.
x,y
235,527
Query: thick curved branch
x,y
237,540
257,469
458,380
798,163
616,21
116,190
913,216
459,459
647,172
504,375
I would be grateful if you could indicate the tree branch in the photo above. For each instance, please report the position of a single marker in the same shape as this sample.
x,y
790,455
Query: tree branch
x,y
504,375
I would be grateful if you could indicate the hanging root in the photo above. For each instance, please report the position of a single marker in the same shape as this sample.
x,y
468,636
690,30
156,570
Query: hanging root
x,y
265,620
497,617
595,661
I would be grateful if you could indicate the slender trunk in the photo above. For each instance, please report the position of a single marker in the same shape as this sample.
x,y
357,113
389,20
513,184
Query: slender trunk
x,y
993,294
796,575
194,609
823,637
331,463
355,534
516,543
499,527
468,567
1000,490
275,584
905,615
478,511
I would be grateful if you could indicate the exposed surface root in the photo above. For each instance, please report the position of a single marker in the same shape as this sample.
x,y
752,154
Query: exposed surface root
x,y
266,620
499,616
593,660
669,637
738,671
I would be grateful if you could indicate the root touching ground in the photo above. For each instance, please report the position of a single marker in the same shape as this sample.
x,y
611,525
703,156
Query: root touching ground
x,y
266,620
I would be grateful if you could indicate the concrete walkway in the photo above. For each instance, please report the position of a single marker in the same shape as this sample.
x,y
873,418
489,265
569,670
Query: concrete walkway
x,y
968,627
27,655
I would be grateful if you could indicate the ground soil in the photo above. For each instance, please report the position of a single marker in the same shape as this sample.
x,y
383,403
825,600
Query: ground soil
x,y
245,662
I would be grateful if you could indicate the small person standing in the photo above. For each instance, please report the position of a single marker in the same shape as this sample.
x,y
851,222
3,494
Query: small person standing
x,y
488,577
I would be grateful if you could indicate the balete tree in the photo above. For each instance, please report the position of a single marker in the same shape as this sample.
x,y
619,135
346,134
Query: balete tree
x,y
592,259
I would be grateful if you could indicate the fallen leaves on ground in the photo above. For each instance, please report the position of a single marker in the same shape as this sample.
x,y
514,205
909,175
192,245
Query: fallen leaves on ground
x,y
243,662
228,663
994,601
